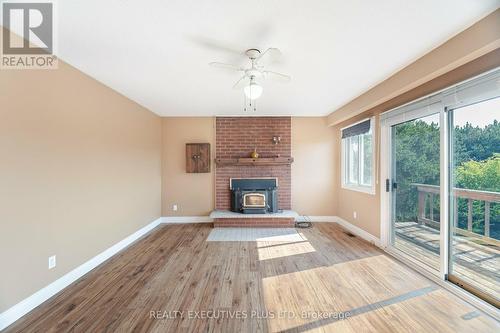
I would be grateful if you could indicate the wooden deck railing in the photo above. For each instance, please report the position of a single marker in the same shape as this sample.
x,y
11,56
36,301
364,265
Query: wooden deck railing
x,y
426,193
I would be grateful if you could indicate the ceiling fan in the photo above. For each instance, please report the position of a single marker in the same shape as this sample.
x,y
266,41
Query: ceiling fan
x,y
253,75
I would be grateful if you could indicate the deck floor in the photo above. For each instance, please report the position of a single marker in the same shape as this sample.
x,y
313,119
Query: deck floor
x,y
478,265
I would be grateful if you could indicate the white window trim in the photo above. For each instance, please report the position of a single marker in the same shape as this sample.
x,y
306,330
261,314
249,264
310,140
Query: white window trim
x,y
344,161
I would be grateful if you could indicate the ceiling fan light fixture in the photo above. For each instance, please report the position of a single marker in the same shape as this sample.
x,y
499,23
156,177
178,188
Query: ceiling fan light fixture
x,y
253,90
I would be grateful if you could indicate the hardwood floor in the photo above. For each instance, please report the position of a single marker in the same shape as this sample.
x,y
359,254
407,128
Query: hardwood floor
x,y
254,287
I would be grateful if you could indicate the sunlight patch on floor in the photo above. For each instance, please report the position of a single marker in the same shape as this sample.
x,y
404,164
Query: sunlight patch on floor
x,y
284,250
308,294
254,235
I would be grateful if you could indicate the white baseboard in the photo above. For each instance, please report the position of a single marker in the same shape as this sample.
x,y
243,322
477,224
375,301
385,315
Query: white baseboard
x,y
317,218
12,314
186,219
358,231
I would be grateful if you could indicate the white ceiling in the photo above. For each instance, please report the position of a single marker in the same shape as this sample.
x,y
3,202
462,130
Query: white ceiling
x,y
156,52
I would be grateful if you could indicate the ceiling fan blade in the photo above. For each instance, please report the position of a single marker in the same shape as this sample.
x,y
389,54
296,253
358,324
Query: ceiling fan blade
x,y
282,77
272,51
241,82
271,55
226,66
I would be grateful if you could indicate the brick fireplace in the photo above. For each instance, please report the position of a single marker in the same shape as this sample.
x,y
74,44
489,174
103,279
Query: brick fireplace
x,y
236,139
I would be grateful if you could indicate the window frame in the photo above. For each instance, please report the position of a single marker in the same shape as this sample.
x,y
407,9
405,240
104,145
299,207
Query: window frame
x,y
346,159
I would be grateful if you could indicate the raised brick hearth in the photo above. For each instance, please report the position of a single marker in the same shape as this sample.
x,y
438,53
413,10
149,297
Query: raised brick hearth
x,y
237,137
223,218
288,222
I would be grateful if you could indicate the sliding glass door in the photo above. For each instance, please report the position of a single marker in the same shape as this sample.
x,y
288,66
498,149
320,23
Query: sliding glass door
x,y
415,189
440,171
475,198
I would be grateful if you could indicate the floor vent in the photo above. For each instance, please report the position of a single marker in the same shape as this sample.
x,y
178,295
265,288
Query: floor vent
x,y
350,234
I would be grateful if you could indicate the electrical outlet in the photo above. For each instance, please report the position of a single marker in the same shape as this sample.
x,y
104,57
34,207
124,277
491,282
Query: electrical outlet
x,y
355,215
52,262
174,208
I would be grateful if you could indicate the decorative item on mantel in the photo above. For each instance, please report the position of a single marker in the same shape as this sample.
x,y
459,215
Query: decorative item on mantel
x,y
248,161
254,154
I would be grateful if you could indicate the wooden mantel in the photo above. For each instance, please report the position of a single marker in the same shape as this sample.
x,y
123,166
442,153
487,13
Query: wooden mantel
x,y
261,161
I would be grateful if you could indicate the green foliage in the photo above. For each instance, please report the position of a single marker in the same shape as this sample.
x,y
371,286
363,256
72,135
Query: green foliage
x,y
475,143
480,175
476,153
416,148
484,176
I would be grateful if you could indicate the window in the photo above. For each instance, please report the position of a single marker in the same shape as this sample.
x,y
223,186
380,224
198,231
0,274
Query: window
x,y
357,157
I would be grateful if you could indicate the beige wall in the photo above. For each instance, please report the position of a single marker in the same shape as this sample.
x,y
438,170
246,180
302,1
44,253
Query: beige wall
x,y
313,176
193,193
312,144
80,170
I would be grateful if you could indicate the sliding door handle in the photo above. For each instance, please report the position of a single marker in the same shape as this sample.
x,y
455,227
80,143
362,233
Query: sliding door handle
x,y
389,186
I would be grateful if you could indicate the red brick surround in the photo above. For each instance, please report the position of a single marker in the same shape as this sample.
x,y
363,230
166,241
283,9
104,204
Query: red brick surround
x,y
237,137
255,222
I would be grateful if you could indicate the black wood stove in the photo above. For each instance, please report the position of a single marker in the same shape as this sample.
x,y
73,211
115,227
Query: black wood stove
x,y
254,195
